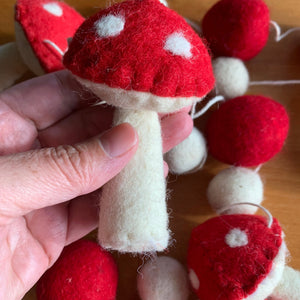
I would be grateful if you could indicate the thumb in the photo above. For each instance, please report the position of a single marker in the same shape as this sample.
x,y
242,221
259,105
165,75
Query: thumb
x,y
40,178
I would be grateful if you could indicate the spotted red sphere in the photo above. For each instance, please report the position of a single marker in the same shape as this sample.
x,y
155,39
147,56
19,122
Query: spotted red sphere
x,y
84,271
237,28
247,131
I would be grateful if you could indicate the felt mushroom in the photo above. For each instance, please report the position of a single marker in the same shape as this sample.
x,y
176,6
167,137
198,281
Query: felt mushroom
x,y
142,58
42,28
236,257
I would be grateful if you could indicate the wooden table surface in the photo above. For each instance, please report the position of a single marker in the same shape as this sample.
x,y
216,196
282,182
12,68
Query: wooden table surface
x,y
281,175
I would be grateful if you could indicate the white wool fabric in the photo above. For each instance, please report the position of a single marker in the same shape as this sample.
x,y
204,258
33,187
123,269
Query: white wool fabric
x,y
163,279
232,77
188,156
27,54
267,286
289,286
11,65
137,100
177,44
235,185
133,213
110,25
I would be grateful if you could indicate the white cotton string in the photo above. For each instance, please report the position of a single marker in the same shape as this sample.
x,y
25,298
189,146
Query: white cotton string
x,y
207,107
280,36
54,46
252,204
256,170
278,82
194,25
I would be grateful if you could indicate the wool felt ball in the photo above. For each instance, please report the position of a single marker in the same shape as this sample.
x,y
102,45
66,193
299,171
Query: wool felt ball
x,y
232,77
237,28
163,278
84,271
233,186
40,21
128,57
247,131
236,257
189,155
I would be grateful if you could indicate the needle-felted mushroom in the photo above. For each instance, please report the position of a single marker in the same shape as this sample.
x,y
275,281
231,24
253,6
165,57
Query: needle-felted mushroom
x,y
143,58
42,28
236,257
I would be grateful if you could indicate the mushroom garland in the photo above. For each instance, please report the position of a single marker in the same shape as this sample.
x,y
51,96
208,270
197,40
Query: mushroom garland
x,y
39,50
143,58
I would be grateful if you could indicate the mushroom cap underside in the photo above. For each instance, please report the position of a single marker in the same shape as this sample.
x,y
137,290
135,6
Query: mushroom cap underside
x,y
141,46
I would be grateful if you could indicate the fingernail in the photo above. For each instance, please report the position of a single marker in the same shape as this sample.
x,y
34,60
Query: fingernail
x,y
118,140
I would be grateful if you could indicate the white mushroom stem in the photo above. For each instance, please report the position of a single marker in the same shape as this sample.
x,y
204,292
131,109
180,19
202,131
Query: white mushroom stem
x,y
289,286
133,214
11,65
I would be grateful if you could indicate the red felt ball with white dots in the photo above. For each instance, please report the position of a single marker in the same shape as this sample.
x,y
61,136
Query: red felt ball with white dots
x,y
84,271
237,28
247,130
235,257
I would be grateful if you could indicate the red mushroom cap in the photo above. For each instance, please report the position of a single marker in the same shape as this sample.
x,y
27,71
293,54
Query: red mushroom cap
x,y
153,50
237,28
47,20
229,256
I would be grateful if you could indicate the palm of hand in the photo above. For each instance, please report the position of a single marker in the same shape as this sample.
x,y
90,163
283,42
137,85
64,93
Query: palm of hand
x,y
33,232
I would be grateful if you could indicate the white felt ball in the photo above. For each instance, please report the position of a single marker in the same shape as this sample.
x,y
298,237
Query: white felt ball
x,y
189,155
232,77
163,279
235,185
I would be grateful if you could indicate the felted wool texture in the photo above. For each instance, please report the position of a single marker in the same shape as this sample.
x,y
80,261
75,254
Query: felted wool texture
x,y
133,214
232,77
139,58
247,131
163,279
137,100
235,185
46,20
237,28
12,66
224,272
84,271
188,155
289,286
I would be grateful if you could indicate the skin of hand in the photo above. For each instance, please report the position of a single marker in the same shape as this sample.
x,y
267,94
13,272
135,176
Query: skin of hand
x,y
56,151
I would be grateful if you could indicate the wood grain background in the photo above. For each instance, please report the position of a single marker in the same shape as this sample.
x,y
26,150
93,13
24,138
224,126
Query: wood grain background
x,y
188,205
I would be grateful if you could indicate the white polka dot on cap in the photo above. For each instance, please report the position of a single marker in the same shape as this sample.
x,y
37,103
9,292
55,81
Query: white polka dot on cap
x,y
177,44
109,26
53,8
236,238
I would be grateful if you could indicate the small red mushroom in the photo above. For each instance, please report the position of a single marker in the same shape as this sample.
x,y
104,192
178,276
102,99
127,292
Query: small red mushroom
x,y
236,257
143,58
42,28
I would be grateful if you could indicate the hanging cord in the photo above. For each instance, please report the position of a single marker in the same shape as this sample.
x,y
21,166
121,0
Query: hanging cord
x,y
195,115
252,204
54,46
280,36
278,82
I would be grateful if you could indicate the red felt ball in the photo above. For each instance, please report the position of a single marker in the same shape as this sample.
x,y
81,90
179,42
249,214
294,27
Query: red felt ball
x,y
84,271
247,130
237,28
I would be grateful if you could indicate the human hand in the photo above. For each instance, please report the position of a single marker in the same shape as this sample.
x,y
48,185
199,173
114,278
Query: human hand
x,y
48,192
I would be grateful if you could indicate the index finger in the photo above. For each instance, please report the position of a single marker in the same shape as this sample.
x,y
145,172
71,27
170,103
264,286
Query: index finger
x,y
47,99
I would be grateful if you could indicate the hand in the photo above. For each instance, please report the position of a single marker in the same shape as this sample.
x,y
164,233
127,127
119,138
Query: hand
x,y
48,192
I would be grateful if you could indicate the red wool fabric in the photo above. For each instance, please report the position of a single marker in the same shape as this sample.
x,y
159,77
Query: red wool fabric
x,y
247,130
39,24
136,59
84,271
232,273
237,28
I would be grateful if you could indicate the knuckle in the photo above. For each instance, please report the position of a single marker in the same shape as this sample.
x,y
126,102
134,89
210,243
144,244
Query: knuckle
x,y
72,163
